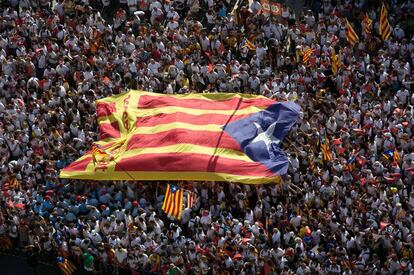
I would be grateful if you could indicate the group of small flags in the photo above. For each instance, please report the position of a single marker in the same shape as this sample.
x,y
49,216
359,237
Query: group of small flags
x,y
384,27
173,200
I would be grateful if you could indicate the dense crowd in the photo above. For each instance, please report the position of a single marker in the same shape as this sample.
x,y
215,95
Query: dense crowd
x,y
351,215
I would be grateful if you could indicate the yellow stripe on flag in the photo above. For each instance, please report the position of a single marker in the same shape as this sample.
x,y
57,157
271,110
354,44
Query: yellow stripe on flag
x,y
189,148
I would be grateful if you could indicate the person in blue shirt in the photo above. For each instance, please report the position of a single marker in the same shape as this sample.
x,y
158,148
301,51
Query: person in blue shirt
x,y
106,212
47,205
83,209
69,216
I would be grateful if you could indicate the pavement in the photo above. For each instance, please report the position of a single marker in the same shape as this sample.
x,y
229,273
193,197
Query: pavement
x,y
16,265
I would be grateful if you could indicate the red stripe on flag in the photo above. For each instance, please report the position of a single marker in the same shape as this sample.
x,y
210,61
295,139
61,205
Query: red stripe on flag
x,y
177,136
78,165
192,162
109,130
187,118
147,102
105,108
180,202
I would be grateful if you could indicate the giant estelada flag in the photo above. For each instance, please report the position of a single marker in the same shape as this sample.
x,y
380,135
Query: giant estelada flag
x,y
204,137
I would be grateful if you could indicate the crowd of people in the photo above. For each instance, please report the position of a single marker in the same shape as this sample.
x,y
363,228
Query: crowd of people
x,y
349,215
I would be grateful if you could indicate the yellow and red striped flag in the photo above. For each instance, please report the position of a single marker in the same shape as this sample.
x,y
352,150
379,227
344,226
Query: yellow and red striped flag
x,y
367,24
384,24
397,157
306,55
66,266
173,201
246,43
326,151
191,199
14,183
197,137
351,35
335,63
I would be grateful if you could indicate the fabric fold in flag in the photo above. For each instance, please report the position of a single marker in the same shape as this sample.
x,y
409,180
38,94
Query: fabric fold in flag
x,y
207,137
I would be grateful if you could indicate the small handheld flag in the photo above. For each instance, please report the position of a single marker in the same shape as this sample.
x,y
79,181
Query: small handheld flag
x,y
368,24
306,55
246,43
384,24
173,201
191,199
326,152
351,35
66,266
388,154
335,63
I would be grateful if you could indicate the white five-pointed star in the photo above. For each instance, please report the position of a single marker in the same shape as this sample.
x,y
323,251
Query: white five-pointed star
x,y
266,136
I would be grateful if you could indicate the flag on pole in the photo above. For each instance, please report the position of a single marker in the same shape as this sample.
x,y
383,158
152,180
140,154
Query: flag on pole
x,y
335,62
326,151
397,157
351,35
196,137
388,154
14,183
173,201
246,43
306,55
311,164
191,199
384,24
66,266
367,24
351,161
